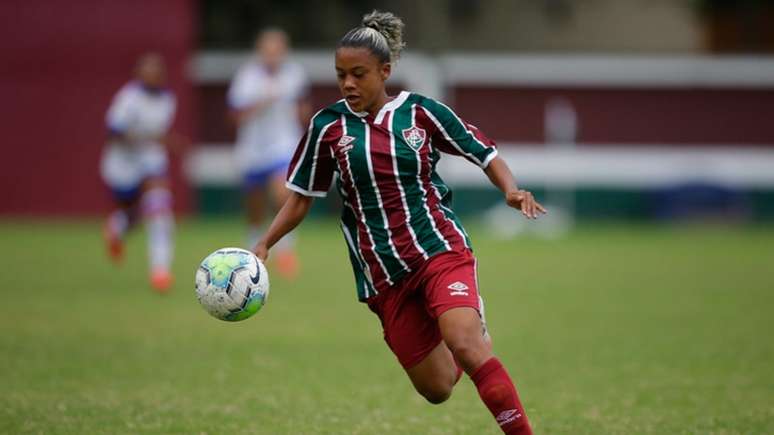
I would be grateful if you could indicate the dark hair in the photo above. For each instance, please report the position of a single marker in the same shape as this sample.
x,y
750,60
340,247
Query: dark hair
x,y
266,31
380,32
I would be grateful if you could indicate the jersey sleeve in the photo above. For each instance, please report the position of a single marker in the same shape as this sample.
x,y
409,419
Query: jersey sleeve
x,y
457,137
312,168
119,115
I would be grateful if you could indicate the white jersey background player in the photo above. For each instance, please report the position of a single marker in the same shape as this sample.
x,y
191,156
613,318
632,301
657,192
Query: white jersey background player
x,y
134,166
267,99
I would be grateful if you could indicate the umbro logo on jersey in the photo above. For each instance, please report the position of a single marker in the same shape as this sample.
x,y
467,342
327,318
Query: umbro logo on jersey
x,y
458,289
345,140
345,143
415,137
507,416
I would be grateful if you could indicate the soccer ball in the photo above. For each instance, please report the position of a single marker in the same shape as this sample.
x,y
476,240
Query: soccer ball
x,y
232,284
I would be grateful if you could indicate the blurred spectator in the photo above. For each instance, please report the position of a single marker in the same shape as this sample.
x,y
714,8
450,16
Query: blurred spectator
x,y
267,99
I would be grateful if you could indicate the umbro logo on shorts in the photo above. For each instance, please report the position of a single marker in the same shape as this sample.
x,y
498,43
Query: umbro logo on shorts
x,y
458,289
507,416
345,143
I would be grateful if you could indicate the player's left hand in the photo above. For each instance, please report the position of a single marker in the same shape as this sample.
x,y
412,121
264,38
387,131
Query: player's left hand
x,y
524,201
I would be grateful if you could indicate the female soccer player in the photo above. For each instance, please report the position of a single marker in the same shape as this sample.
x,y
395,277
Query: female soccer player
x,y
267,102
411,256
134,165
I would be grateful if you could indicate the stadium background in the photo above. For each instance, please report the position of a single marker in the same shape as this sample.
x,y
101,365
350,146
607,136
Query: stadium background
x,y
653,315
679,86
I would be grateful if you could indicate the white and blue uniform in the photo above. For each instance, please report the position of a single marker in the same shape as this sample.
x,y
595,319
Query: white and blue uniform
x,y
266,141
141,116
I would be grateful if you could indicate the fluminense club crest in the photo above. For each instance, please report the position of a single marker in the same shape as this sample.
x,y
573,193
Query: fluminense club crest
x,y
415,137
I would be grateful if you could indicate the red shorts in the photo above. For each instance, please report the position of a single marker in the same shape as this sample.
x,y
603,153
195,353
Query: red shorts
x,y
409,311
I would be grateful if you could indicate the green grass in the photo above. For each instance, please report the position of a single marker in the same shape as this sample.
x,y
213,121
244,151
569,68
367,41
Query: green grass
x,y
613,330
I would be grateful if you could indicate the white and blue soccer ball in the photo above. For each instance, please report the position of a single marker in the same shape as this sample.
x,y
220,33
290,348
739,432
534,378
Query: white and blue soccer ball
x,y
232,284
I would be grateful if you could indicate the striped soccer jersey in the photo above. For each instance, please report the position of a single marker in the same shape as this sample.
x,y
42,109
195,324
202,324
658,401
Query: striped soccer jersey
x,y
397,209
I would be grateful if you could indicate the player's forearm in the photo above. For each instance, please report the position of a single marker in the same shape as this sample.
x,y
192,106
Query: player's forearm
x,y
500,175
290,215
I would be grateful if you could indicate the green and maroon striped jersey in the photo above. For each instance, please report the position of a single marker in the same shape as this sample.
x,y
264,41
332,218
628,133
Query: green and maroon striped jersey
x,y
397,209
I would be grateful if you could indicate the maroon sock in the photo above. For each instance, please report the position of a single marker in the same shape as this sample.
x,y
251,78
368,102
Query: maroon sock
x,y
499,395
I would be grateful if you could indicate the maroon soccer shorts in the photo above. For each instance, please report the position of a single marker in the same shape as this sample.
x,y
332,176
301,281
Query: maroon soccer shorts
x,y
409,311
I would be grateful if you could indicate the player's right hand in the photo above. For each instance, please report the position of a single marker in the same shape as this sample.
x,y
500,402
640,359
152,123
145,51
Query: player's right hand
x,y
524,201
261,251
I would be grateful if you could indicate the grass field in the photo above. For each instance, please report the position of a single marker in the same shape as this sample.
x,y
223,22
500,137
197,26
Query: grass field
x,y
613,330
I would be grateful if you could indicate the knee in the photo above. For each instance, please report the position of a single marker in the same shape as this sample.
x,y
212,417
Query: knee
x,y
469,349
436,394
156,200
463,333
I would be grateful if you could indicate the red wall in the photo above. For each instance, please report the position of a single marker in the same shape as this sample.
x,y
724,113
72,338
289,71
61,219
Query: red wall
x,y
682,116
62,61
676,116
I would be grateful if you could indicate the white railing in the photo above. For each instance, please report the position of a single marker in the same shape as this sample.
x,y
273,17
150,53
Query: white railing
x,y
432,75
641,166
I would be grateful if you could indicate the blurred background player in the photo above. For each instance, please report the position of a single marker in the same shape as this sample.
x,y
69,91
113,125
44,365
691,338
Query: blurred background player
x,y
134,166
267,102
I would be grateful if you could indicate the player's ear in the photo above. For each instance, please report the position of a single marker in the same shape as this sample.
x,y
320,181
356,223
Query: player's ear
x,y
386,70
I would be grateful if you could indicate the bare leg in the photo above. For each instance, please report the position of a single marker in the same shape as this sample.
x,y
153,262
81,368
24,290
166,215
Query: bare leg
x,y
462,331
280,194
156,207
287,264
118,223
434,377
255,205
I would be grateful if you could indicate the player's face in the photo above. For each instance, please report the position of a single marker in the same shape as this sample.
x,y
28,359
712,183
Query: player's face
x,y
152,71
361,78
272,49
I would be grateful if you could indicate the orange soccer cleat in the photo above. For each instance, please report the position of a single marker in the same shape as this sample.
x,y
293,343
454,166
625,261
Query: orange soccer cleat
x,y
287,264
114,244
161,280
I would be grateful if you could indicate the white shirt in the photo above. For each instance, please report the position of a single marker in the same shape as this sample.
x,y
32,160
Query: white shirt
x,y
142,114
271,135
